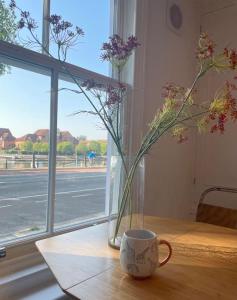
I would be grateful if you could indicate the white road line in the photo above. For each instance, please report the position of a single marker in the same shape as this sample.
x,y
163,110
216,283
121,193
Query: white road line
x,y
1,182
80,177
39,201
60,193
5,206
10,199
78,196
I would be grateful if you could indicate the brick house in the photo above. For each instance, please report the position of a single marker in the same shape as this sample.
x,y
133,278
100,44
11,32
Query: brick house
x,y
28,137
42,135
7,140
65,136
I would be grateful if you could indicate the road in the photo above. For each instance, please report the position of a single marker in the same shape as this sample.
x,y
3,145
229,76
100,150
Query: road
x,y
23,200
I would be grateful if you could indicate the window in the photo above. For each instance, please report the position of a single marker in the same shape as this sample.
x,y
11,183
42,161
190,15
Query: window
x,y
93,17
80,195
35,7
24,109
48,181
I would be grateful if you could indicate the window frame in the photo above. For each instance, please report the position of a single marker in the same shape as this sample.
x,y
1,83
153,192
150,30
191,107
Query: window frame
x,y
29,57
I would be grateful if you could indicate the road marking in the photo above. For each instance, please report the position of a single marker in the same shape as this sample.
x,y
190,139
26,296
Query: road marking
x,y
79,191
78,196
1,182
59,193
9,199
5,206
79,177
39,201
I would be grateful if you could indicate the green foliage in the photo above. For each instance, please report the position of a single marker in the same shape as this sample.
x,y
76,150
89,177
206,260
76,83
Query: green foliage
x,y
95,147
82,148
26,147
7,29
11,151
103,148
65,148
41,148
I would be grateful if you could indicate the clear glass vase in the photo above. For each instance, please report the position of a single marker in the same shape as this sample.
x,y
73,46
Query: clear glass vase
x,y
126,195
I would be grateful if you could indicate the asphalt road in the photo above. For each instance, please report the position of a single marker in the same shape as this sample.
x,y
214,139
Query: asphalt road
x,y
23,200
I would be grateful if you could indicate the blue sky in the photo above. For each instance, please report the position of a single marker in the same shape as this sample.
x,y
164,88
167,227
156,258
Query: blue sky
x,y
25,95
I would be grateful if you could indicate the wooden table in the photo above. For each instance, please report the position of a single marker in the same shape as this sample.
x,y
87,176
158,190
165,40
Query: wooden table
x,y
203,265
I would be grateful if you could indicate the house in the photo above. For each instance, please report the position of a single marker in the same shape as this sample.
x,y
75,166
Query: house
x,y
66,136
7,140
42,135
25,138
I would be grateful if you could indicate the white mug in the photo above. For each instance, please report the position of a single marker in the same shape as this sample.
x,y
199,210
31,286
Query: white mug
x,y
139,253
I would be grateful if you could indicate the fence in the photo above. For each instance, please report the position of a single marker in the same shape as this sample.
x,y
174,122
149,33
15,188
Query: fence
x,y
41,161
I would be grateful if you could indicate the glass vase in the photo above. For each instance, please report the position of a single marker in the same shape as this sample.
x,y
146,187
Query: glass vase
x,y
126,197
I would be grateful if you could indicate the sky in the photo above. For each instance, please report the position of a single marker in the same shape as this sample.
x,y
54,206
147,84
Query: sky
x,y
25,98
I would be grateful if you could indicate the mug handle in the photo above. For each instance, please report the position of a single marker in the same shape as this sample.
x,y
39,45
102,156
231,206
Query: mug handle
x,y
164,242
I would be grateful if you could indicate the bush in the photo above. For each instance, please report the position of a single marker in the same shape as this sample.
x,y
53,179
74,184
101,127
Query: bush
x,y
65,148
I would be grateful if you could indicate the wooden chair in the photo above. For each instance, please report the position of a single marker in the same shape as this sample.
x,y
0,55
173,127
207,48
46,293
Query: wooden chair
x,y
217,215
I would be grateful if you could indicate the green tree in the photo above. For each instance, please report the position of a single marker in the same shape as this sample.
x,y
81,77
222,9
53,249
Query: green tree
x,y
7,29
65,148
103,147
82,148
41,148
95,147
26,147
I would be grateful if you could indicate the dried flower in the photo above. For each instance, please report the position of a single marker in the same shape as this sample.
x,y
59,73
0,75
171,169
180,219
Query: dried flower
x,y
205,48
12,4
171,90
117,50
113,96
231,55
90,84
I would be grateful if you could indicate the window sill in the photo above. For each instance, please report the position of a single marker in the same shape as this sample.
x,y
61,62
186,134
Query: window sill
x,y
26,246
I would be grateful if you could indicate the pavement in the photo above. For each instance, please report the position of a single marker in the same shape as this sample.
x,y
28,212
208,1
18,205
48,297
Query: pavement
x,y
23,199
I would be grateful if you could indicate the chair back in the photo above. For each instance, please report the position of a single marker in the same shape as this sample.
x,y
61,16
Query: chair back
x,y
217,215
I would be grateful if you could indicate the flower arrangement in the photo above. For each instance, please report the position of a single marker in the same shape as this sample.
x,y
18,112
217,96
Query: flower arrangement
x,y
180,110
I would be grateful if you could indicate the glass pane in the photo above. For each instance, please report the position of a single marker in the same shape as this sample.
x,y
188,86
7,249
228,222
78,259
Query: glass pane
x,y
81,161
24,115
22,37
93,17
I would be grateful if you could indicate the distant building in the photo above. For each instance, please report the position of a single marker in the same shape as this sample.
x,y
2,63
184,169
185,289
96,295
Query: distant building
x,y
42,135
26,138
65,136
7,140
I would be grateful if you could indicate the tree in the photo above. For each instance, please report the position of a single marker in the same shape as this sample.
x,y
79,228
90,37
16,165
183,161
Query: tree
x,y
95,147
82,148
7,29
65,148
26,147
103,147
41,148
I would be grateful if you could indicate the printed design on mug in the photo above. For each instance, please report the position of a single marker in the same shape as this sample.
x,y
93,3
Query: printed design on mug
x,y
154,248
140,258
130,254
132,268
152,263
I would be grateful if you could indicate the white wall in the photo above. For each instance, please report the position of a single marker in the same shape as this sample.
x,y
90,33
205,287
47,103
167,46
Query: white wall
x,y
217,154
172,169
169,57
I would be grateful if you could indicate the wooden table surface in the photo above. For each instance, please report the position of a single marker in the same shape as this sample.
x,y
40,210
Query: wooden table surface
x,y
203,265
